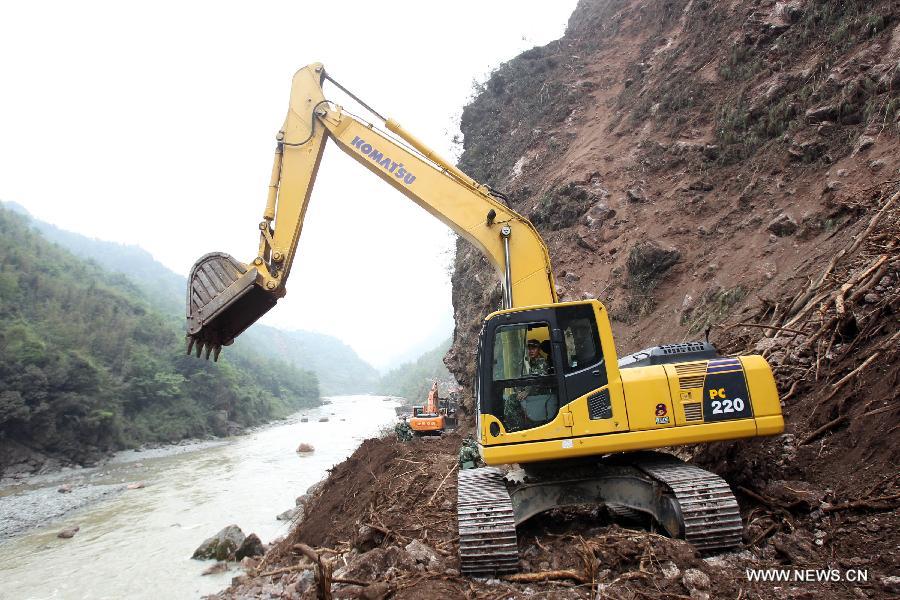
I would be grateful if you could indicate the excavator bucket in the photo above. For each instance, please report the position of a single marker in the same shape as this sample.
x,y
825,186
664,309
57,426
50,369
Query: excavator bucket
x,y
223,299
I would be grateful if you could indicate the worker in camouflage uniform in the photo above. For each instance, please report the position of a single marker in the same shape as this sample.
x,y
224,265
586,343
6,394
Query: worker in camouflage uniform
x,y
514,416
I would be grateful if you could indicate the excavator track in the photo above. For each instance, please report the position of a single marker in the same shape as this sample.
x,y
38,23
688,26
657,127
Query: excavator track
x,y
487,525
689,502
709,510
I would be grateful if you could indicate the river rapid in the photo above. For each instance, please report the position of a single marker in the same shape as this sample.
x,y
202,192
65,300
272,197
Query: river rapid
x,y
137,543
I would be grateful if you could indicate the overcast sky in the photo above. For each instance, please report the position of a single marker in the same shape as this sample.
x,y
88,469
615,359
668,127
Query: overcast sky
x,y
153,124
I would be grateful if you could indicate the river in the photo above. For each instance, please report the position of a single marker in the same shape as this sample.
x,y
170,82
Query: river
x,y
137,543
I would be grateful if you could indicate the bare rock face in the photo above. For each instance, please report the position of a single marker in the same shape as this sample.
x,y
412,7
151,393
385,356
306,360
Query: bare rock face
x,y
783,225
221,546
648,261
560,208
598,214
635,195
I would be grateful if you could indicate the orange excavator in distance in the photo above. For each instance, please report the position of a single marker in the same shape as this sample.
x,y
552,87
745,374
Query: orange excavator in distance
x,y
435,417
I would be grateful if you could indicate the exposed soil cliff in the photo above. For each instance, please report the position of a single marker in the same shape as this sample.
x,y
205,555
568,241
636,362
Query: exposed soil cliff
x,y
748,137
693,164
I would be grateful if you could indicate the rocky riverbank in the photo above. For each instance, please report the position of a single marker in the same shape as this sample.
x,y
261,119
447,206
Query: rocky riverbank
x,y
27,502
19,513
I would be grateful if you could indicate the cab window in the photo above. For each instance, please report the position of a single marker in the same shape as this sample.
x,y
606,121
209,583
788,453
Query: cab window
x,y
524,389
582,342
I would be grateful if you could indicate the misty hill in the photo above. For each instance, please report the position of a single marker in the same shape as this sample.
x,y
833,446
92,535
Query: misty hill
x,y
89,364
412,380
338,368
154,279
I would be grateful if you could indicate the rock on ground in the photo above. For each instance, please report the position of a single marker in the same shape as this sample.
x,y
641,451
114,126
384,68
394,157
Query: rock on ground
x,y
221,546
68,533
251,546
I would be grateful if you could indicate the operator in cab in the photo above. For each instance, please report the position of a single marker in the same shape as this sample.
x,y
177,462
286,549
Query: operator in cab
x,y
515,417
535,364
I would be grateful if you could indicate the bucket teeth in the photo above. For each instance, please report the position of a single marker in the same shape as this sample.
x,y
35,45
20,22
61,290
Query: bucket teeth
x,y
199,348
190,344
216,350
209,348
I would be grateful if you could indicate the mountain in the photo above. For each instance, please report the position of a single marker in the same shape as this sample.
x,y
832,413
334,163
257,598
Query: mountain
x,y
156,281
412,380
89,363
338,368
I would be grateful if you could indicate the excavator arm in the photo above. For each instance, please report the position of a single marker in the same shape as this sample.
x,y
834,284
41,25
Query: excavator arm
x,y
225,296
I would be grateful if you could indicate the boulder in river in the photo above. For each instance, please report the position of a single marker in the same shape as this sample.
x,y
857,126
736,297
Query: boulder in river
x,y
305,448
252,546
68,533
219,567
65,488
323,420
289,514
221,546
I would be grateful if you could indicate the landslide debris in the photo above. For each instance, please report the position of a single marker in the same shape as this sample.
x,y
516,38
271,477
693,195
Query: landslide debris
x,y
692,164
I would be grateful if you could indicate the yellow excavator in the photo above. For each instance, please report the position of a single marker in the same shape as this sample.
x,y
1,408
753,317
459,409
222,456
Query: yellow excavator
x,y
552,396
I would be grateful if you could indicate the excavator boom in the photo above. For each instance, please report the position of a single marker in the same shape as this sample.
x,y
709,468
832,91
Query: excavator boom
x,y
225,296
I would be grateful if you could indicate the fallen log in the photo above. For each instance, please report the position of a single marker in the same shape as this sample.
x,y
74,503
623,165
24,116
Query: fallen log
x,y
824,428
873,503
546,576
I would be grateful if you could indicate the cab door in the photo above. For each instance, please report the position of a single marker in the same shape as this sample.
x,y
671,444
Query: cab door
x,y
590,370
521,395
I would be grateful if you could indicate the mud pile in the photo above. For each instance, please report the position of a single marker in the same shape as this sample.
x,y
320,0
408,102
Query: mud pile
x,y
693,164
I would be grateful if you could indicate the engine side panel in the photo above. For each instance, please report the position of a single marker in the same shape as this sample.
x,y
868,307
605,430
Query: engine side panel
x,y
648,398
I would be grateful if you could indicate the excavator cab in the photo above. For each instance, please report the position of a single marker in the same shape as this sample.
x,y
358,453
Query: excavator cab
x,y
519,403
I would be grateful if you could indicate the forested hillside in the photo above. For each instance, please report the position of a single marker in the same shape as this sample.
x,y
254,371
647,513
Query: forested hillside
x,y
412,380
339,369
88,364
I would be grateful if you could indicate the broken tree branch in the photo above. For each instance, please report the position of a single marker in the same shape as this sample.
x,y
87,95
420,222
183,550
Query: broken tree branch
x,y
875,503
803,302
453,468
761,326
322,571
824,428
547,576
